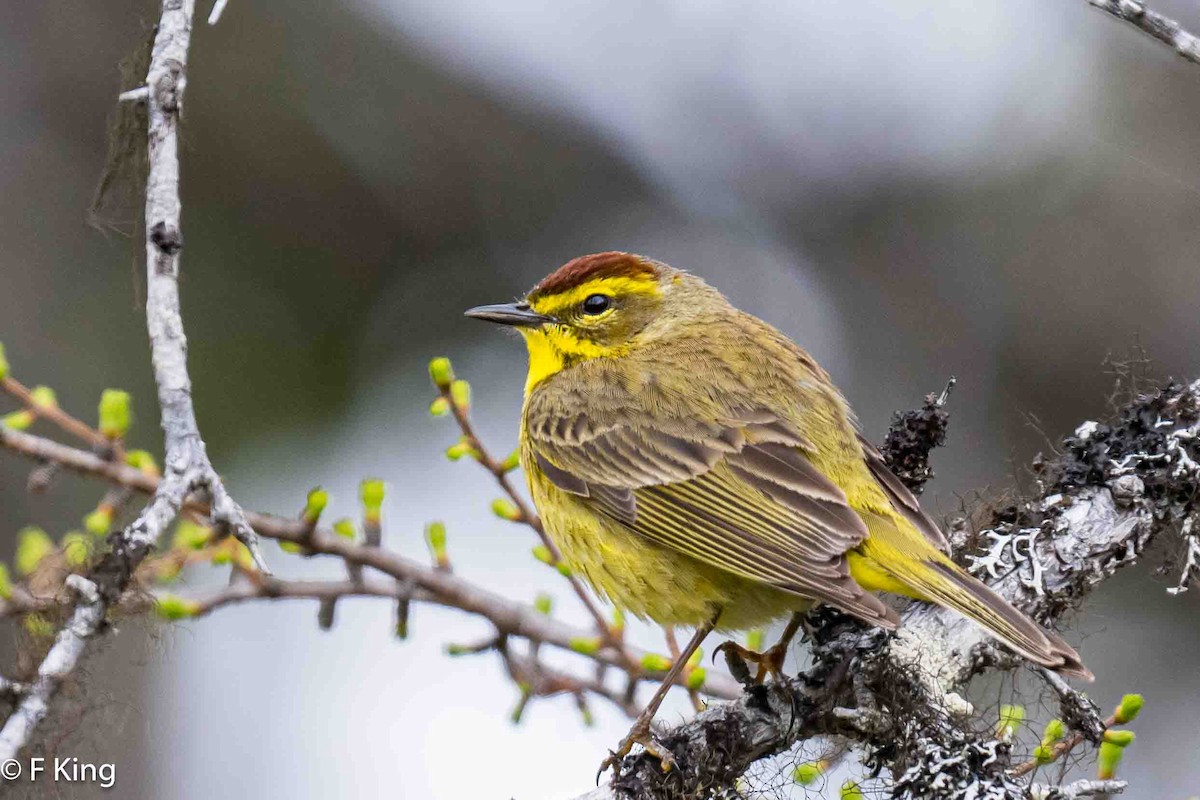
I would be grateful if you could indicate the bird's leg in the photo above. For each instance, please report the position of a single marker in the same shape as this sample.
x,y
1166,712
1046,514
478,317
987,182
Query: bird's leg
x,y
640,732
770,661
673,649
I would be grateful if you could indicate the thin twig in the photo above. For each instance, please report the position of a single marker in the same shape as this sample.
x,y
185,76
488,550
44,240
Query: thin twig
x,y
1164,29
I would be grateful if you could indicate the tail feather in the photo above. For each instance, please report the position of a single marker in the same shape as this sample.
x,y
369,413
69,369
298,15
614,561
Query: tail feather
x,y
929,575
975,600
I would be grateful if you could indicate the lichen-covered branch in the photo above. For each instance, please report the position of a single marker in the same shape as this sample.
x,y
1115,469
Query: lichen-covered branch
x,y
1113,489
1150,22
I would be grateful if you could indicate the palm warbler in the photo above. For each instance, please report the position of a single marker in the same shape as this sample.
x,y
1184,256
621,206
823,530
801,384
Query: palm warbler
x,y
698,468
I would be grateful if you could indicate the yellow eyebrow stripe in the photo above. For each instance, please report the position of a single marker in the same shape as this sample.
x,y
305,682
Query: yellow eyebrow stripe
x,y
613,286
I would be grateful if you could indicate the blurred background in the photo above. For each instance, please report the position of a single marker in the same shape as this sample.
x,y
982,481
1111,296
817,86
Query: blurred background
x,y
1004,191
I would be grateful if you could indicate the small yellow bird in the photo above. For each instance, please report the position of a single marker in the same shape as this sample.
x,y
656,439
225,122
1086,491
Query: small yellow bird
x,y
698,468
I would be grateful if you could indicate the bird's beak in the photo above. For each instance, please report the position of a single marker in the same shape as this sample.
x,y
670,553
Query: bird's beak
x,y
518,314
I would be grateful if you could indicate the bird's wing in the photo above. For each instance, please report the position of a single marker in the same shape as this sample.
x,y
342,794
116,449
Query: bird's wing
x,y
902,499
736,491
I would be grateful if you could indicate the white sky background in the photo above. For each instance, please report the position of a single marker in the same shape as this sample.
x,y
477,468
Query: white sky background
x,y
708,99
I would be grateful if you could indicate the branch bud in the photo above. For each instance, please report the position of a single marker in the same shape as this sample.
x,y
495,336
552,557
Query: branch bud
x,y
754,640
512,462
504,508
43,397
441,372
37,626
1055,731
808,773
459,449
653,662
116,413
544,604
585,645
372,491
1110,757
1043,754
439,407
4,368
564,569
99,521
345,528
1130,707
314,504
543,554
435,537
33,545
18,420
1011,718
77,547
1119,738
460,394
141,459
6,586
173,607
695,678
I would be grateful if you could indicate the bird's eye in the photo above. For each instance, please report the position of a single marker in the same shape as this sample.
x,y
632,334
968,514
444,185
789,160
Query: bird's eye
x,y
596,304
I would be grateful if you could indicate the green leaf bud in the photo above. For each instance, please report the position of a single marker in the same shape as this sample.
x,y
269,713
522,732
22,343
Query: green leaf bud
x,y
191,535
1110,757
174,607
504,508
585,645
695,678
543,603
455,650
1119,738
1130,707
33,545
37,626
141,459
459,449
372,491
695,657
439,407
4,368
808,773
618,620
512,462
653,662
441,372
564,569
1043,754
18,420
314,504
6,586
435,537
850,791
1011,718
345,528
116,413
754,640
291,548
1055,731
77,546
43,397
100,521
460,393
543,554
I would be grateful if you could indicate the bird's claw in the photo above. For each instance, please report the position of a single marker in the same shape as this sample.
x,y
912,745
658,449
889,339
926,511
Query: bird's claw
x,y
639,734
769,661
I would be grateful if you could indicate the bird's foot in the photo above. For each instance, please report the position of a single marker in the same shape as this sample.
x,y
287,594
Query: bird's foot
x,y
768,662
638,734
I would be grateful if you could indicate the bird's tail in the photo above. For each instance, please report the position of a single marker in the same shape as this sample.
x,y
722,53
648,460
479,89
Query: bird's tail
x,y
929,575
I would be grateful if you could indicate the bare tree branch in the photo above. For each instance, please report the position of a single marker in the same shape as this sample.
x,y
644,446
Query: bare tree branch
x,y
187,468
1164,29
